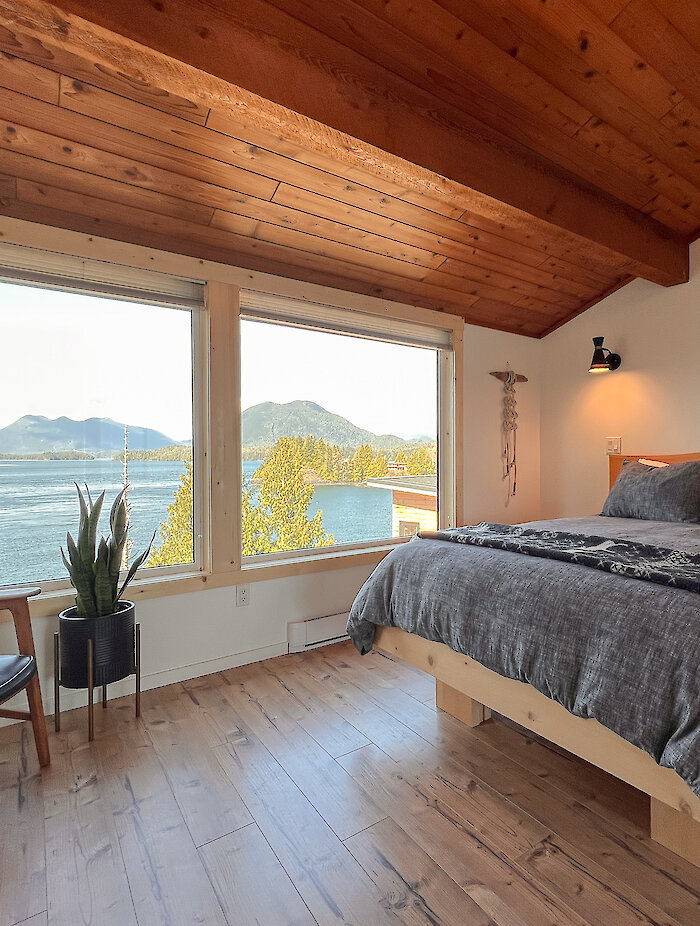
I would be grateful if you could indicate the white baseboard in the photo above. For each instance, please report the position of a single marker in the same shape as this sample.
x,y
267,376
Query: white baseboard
x,y
218,664
71,699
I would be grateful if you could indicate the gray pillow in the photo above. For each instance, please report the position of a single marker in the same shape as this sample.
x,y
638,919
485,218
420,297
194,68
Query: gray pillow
x,y
656,493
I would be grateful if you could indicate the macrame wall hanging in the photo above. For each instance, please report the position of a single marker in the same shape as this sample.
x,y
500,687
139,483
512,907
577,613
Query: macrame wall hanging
x,y
510,425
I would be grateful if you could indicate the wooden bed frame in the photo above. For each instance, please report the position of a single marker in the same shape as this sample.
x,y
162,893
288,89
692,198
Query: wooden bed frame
x,y
464,688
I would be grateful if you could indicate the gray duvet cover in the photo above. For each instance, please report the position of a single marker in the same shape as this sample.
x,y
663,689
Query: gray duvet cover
x,y
621,650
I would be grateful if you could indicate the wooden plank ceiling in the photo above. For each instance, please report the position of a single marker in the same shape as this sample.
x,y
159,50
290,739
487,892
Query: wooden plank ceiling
x,y
510,161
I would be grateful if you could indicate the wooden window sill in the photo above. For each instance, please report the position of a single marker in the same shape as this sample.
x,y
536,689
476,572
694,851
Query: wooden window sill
x,y
50,603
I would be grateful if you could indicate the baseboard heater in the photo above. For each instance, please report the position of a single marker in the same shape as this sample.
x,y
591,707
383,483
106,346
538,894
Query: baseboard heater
x,y
319,631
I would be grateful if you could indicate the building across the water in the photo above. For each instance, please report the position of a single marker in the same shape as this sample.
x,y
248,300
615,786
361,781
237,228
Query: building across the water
x,y
413,504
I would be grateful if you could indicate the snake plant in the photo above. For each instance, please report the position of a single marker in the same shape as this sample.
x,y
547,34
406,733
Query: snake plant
x,y
94,568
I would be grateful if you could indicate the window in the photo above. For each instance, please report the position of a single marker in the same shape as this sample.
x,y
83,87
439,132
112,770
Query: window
x,y
408,528
158,344
343,419
97,389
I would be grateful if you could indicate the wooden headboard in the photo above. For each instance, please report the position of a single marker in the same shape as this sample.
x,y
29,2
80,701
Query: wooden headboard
x,y
617,459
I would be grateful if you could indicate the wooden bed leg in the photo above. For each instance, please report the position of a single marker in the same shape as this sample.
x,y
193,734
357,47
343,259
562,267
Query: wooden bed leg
x,y
460,705
676,831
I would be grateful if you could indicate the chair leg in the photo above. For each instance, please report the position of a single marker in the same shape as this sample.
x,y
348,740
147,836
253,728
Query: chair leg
x,y
36,709
25,641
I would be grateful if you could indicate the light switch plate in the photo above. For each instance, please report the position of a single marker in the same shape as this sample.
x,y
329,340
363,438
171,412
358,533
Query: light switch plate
x,y
614,444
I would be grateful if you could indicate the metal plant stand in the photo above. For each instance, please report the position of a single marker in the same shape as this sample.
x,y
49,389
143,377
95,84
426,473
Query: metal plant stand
x,y
91,688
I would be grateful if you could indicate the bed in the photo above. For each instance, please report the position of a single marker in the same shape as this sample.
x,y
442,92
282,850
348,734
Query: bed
x,y
631,718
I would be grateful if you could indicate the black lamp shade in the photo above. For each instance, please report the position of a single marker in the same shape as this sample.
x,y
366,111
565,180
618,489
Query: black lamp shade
x,y
603,360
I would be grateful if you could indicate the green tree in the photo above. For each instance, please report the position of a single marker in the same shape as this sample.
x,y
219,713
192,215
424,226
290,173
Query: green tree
x,y
361,463
379,466
309,448
176,541
421,463
171,452
256,528
278,521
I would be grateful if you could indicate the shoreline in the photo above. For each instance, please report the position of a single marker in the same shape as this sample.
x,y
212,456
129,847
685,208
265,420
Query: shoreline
x,y
11,458
321,482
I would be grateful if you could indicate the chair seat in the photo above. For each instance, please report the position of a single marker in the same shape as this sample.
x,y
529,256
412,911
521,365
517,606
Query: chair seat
x,y
15,672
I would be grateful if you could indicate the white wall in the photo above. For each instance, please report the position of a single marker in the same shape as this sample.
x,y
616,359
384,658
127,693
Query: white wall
x,y
485,490
194,634
564,417
652,401
184,636
565,414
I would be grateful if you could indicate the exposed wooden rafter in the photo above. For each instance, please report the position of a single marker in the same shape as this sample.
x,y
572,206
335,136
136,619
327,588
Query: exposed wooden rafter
x,y
508,161
259,65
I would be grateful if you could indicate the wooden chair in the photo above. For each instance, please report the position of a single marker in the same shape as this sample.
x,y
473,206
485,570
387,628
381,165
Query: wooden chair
x,y
18,672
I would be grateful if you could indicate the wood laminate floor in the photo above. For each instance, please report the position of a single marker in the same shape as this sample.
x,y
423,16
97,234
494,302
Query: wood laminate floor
x,y
320,788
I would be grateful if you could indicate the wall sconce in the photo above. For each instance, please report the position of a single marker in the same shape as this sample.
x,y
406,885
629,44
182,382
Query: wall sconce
x,y
604,361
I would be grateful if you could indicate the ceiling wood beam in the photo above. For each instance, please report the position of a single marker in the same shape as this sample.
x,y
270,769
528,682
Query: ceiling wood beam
x,y
78,212
417,39
71,158
287,77
645,26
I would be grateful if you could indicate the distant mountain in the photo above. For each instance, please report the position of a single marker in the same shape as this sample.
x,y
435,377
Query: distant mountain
x,y
262,425
36,434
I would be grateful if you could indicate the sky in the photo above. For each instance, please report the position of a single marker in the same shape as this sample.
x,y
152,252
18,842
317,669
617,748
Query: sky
x,y
385,388
85,356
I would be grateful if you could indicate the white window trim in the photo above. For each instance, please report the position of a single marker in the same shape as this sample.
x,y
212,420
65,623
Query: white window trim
x,y
368,324
262,560
221,559
45,270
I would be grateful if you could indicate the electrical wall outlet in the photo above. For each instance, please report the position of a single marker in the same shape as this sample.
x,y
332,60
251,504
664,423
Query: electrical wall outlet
x,y
242,595
614,444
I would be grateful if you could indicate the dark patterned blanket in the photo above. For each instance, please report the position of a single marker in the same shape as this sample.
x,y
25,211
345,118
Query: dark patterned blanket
x,y
674,568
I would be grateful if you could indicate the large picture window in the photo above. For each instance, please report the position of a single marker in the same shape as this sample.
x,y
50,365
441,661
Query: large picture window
x,y
340,428
96,391
261,433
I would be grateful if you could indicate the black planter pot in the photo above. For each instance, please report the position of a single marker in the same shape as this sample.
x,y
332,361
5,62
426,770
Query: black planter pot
x,y
113,646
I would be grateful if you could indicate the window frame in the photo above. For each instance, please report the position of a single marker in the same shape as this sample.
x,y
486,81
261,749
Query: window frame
x,y
217,408
302,315
44,271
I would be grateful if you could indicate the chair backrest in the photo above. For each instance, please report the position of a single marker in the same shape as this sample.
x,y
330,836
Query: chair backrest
x,y
15,600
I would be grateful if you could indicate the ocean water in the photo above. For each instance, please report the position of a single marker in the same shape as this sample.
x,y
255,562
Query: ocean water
x,y
38,504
